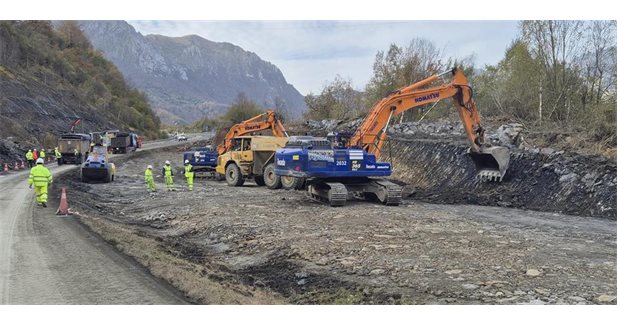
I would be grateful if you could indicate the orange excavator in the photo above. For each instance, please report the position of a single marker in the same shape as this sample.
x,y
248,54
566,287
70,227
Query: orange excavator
x,y
332,169
491,161
261,122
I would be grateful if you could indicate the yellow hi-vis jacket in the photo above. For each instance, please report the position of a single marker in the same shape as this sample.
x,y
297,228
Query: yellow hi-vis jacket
x,y
148,174
57,153
40,176
188,170
42,154
29,155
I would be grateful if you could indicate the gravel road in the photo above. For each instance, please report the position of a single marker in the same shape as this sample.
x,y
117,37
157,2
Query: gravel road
x,y
49,259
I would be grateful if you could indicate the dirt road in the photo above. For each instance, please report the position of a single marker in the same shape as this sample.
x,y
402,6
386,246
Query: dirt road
x,y
49,259
221,244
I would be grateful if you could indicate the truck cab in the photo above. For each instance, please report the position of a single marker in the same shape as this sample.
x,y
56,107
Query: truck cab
x,y
74,148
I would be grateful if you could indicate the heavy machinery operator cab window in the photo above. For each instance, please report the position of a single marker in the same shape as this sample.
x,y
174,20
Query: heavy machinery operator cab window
x,y
237,145
246,144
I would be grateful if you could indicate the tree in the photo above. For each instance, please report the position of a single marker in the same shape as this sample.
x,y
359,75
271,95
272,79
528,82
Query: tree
x,y
558,47
512,87
337,100
72,36
281,109
399,67
599,59
240,110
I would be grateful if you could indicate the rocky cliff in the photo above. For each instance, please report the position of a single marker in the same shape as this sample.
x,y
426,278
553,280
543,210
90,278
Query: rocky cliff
x,y
188,78
48,78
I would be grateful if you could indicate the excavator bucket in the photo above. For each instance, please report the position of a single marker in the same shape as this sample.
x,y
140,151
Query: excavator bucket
x,y
491,163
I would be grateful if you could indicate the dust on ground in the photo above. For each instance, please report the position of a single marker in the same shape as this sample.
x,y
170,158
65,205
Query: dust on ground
x,y
222,244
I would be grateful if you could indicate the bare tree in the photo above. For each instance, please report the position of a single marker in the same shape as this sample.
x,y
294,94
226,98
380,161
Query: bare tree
x,y
599,61
558,46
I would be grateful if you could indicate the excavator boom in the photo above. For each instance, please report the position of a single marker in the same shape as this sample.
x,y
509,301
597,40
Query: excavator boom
x,y
261,122
491,162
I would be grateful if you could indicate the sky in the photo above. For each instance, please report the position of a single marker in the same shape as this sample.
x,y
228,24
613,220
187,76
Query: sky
x,y
312,53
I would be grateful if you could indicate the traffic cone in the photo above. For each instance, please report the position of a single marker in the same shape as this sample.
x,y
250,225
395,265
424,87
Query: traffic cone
x,y
64,203
16,167
6,168
23,165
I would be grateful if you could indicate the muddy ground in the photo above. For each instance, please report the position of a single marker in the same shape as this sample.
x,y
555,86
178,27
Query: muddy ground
x,y
246,245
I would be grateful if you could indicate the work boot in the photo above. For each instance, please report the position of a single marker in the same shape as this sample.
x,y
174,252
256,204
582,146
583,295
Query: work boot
x,y
43,204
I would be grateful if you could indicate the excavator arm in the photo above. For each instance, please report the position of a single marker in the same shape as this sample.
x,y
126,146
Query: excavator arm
x,y
491,162
74,124
261,122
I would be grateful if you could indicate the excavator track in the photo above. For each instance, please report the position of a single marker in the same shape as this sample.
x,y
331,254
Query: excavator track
x,y
333,193
393,192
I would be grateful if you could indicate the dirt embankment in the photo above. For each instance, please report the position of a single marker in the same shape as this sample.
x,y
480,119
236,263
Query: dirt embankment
x,y
240,245
441,172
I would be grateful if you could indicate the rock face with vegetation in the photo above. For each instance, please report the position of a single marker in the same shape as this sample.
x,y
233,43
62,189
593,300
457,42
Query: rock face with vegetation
x,y
48,78
188,78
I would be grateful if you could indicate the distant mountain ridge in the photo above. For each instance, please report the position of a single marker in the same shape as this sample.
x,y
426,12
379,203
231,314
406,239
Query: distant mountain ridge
x,y
188,78
50,77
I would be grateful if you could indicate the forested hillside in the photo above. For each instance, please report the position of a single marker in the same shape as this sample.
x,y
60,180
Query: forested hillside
x,y
50,77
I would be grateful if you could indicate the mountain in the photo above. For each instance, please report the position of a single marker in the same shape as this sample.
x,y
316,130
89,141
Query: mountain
x,y
49,77
188,78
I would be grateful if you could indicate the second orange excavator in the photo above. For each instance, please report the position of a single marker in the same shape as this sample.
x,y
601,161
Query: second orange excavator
x,y
334,169
265,121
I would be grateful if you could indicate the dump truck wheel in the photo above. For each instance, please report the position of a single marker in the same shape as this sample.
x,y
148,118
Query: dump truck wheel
x,y
233,175
292,183
272,180
259,180
109,177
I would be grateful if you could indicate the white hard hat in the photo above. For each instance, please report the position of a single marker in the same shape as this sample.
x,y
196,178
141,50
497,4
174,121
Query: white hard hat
x,y
167,162
40,161
186,161
149,167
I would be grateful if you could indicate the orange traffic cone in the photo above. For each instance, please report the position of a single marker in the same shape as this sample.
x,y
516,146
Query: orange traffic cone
x,y
16,167
6,168
23,165
64,203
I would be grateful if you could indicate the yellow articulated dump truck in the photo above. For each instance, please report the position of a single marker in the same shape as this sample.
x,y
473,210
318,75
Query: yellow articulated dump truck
x,y
251,157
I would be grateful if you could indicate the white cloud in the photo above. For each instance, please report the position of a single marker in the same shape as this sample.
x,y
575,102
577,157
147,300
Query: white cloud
x,y
311,52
